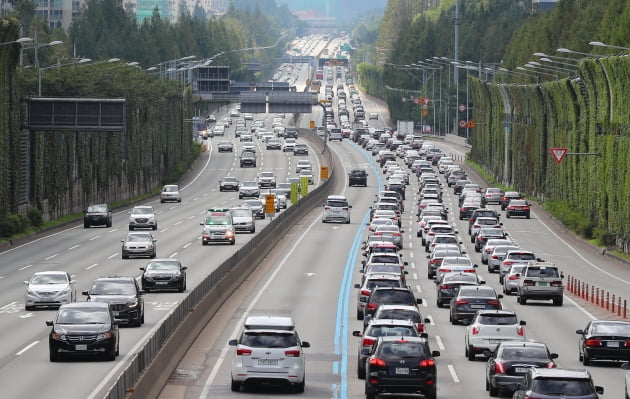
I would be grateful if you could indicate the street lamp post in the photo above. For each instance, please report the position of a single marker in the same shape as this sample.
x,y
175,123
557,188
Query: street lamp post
x,y
557,69
538,72
600,44
40,70
36,46
21,40
566,50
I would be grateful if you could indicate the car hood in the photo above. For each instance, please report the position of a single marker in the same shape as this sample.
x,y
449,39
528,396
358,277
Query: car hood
x,y
241,219
112,298
81,329
154,273
96,214
47,287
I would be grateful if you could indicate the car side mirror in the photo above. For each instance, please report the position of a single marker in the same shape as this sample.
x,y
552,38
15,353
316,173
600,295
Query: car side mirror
x,y
201,224
349,206
419,301
428,256
581,332
487,353
357,286
305,344
475,265
185,268
406,263
122,240
599,390
435,353
500,296
232,342
86,293
357,333
522,323
482,282
25,282
365,351
49,323
553,355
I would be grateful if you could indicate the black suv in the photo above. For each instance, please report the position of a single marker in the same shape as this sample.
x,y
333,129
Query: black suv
x,y
570,383
83,328
97,215
389,296
400,365
357,177
124,296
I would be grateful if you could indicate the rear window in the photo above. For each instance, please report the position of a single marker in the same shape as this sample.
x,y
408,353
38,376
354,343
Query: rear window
x,y
524,256
542,272
402,349
392,331
268,339
393,297
382,283
337,204
399,314
520,353
567,387
497,319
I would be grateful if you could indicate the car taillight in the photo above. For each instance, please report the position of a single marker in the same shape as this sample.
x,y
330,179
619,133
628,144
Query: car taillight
x,y
469,271
345,209
557,283
368,341
628,343
479,239
292,353
445,287
525,208
510,208
493,302
397,234
474,330
476,226
444,270
431,234
495,257
327,208
507,263
376,362
513,277
372,305
463,209
530,283
520,331
462,302
243,352
433,261
499,368
427,363
488,250
365,292
420,327
551,365
593,342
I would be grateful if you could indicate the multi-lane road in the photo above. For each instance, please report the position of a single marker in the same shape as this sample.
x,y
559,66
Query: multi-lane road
x,y
308,276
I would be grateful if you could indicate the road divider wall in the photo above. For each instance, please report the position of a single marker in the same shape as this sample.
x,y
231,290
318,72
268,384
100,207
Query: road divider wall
x,y
151,366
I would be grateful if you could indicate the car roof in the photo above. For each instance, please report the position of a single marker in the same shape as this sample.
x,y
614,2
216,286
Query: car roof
x,y
88,304
559,373
49,272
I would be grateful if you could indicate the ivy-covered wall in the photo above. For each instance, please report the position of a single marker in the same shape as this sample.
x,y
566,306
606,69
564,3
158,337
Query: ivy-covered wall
x,y
68,170
587,114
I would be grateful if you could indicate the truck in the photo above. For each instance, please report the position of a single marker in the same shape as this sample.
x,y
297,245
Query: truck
x,y
404,128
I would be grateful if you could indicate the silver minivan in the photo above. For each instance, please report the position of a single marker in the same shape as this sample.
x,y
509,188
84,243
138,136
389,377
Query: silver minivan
x,y
243,219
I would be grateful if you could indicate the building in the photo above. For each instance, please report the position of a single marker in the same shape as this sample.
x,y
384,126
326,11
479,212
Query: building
x,y
543,5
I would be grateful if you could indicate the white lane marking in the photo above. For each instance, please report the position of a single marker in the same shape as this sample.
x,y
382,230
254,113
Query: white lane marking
x,y
50,257
218,364
187,245
1,277
415,276
418,288
413,265
26,316
174,254
425,303
95,238
112,230
8,306
163,230
191,217
438,339
25,267
73,247
195,199
178,223
112,256
29,346
411,253
586,312
451,370
92,266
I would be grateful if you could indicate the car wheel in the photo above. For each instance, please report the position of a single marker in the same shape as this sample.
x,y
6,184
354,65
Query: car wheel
x,y
501,279
117,349
586,360
522,300
507,215
348,221
370,395
470,354
112,355
558,301
161,201
528,216
54,357
27,308
487,385
155,227
299,388
182,288
439,303
494,391
142,318
153,255
130,228
86,225
432,394
109,224
125,256
235,386
232,242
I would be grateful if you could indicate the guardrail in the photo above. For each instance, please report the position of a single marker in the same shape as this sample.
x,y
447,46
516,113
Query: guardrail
x,y
600,297
151,366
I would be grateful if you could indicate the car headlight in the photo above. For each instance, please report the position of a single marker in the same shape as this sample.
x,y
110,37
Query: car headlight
x,y
102,336
58,337
148,278
65,291
29,292
132,304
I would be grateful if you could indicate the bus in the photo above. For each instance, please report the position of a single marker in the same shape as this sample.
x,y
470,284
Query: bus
x,y
316,85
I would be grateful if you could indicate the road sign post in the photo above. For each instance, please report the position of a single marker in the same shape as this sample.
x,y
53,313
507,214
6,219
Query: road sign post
x,y
559,154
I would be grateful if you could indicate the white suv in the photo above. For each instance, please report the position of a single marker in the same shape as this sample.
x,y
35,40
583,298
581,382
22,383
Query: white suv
x,y
268,350
336,209
142,216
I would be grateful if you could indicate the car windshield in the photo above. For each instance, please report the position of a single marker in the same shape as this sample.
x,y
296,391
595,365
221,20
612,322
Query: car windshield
x,y
393,297
399,314
611,329
230,179
564,387
82,316
138,238
384,259
249,184
268,339
170,189
382,283
97,209
337,204
401,349
519,353
241,212
113,288
460,278
42,279
266,174
476,292
142,211
218,220
521,256
163,265
253,203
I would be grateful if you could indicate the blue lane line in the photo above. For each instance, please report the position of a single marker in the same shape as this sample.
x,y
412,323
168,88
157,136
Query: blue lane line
x,y
343,303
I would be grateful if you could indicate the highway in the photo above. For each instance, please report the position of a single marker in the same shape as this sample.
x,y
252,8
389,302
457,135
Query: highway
x,y
309,276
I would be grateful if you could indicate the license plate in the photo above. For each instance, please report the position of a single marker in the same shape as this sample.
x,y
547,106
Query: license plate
x,y
116,314
267,362
612,344
542,283
478,306
81,347
161,282
520,369
402,370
